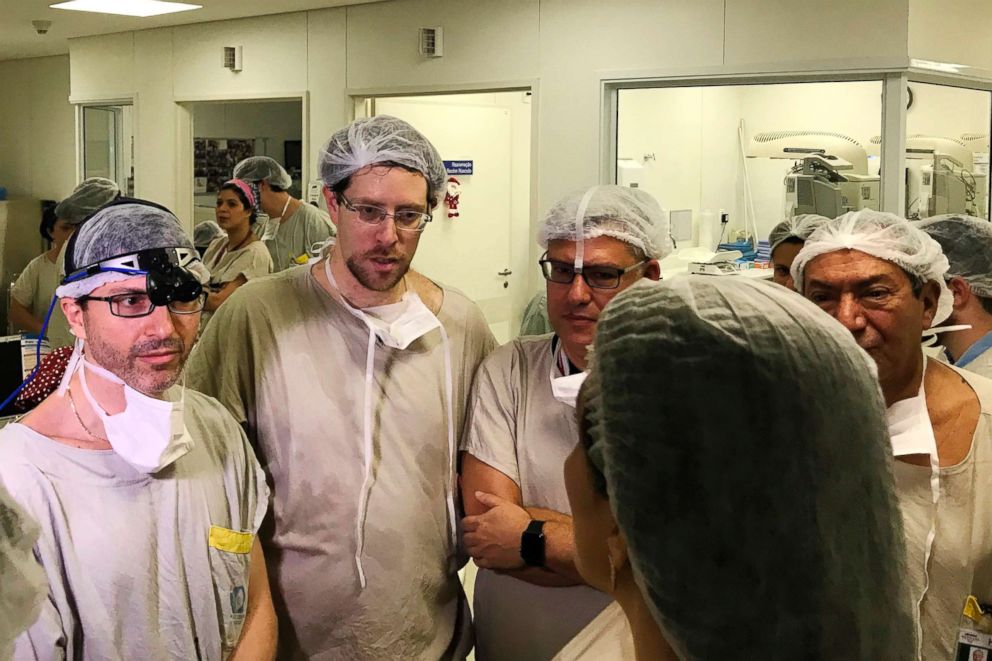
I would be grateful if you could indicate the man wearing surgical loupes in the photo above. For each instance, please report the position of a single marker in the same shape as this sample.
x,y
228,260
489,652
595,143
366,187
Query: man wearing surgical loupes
x,y
529,599
147,493
352,378
883,279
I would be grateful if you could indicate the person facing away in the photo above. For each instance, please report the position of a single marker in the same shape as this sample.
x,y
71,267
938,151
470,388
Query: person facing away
x,y
34,289
967,244
883,279
778,540
352,380
529,598
148,493
292,227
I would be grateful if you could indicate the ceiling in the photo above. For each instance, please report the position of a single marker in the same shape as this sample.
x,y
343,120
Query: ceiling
x,y
18,38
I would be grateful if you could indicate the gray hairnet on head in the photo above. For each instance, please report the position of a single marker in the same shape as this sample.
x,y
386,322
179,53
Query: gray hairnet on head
x,y
206,232
381,139
798,227
626,214
760,523
87,197
263,168
967,244
123,229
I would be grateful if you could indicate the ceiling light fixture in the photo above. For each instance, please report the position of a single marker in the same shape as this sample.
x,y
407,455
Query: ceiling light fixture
x,y
142,8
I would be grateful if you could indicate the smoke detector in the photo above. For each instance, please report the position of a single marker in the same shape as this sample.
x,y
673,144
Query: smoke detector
x,y
41,27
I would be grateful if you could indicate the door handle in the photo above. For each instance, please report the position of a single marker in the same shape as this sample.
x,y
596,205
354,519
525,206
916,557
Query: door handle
x,y
505,272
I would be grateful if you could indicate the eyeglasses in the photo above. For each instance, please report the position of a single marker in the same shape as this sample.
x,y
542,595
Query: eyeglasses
x,y
139,304
405,219
597,277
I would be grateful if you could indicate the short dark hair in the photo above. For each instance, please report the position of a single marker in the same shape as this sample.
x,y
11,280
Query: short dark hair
x,y
234,188
341,186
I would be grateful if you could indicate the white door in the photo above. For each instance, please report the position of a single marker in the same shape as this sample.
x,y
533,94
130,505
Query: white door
x,y
471,251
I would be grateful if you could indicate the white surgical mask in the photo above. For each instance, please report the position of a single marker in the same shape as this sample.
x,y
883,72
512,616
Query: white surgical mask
x,y
911,432
149,433
397,325
930,346
565,389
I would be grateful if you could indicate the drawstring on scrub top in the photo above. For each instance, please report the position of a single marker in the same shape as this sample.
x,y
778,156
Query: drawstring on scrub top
x,y
369,444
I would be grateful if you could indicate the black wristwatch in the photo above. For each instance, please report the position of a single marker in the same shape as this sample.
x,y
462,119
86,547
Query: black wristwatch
x,y
532,544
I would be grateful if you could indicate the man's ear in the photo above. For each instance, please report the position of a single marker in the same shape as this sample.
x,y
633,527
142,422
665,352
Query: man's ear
x,y
616,545
961,290
652,270
929,295
74,315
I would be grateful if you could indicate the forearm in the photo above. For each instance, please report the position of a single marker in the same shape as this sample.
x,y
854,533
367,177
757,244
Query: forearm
x,y
216,298
22,319
559,544
260,630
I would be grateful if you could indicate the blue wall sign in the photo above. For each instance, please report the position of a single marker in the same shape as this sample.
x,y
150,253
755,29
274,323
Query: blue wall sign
x,y
459,167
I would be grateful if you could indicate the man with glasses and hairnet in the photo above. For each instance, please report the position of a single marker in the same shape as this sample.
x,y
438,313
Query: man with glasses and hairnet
x,y
293,227
352,379
884,280
967,244
529,598
148,494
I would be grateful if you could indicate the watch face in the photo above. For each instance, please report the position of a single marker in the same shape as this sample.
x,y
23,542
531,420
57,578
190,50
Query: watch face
x,y
532,544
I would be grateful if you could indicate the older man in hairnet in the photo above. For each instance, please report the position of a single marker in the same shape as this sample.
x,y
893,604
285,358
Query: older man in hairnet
x,y
786,240
148,494
32,293
529,598
352,380
967,244
294,228
883,279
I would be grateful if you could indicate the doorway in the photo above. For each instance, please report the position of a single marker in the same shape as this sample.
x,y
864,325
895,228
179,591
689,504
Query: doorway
x,y
108,144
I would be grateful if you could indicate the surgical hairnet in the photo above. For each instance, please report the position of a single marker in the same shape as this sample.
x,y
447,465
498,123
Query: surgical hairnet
x,y
797,227
206,232
967,244
759,523
87,197
625,214
379,139
259,168
23,587
120,229
885,236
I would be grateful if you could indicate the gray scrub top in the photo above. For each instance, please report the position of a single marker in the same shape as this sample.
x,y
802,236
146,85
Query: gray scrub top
x,y
34,289
297,233
961,559
516,426
139,566
298,381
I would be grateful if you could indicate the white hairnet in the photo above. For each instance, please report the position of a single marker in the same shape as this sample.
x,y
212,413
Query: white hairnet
x,y
885,236
797,227
380,139
263,168
117,230
625,214
967,244
206,232
23,587
759,523
87,197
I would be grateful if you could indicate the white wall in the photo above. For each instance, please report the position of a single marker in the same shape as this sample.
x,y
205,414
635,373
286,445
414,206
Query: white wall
x,y
955,31
37,128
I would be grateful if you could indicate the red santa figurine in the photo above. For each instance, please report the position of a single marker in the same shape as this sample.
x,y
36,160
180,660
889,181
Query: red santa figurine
x,y
451,197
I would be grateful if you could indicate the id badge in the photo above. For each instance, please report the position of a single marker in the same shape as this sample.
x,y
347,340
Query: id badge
x,y
975,633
